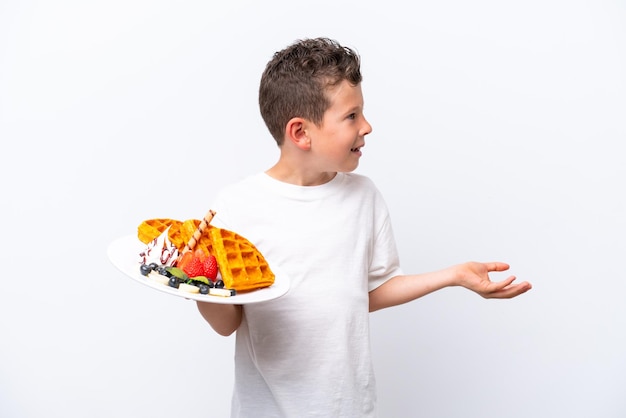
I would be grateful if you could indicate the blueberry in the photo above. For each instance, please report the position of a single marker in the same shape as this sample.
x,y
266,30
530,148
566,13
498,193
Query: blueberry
x,y
145,270
163,271
219,284
174,282
153,266
204,289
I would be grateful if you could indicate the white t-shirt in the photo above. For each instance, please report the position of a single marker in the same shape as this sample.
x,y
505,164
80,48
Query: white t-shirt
x,y
307,353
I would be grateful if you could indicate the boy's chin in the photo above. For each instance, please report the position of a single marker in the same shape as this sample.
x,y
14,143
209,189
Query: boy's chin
x,y
350,169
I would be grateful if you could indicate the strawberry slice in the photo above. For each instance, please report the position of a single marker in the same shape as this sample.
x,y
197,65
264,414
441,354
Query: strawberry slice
x,y
184,259
194,267
210,267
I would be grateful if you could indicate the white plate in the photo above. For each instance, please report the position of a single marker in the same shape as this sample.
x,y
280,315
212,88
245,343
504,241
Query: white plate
x,y
124,254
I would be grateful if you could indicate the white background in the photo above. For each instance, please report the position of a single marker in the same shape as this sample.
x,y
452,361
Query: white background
x,y
499,130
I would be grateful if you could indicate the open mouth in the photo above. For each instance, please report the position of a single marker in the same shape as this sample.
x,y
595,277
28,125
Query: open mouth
x,y
355,149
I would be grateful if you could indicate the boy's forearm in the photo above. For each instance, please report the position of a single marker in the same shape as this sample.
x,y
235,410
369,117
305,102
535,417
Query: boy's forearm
x,y
402,289
223,318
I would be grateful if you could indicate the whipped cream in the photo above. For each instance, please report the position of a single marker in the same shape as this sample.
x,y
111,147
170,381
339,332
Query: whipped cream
x,y
160,250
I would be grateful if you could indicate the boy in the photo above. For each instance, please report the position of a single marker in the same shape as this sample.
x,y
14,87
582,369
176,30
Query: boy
x,y
328,231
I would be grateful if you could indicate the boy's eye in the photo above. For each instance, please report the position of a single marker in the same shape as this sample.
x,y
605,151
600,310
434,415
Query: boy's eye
x,y
352,116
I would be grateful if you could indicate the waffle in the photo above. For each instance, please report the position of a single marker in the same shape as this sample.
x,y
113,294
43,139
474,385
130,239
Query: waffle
x,y
241,265
150,229
181,233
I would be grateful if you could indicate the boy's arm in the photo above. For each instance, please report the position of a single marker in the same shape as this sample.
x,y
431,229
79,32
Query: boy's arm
x,y
472,275
223,318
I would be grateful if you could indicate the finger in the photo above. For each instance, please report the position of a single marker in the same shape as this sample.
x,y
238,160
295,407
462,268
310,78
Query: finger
x,y
510,291
493,287
506,282
497,266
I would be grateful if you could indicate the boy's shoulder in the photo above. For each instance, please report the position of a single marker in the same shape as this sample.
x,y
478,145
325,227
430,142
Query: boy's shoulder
x,y
359,179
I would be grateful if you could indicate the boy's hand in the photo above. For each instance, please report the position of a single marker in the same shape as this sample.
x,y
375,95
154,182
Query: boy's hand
x,y
475,276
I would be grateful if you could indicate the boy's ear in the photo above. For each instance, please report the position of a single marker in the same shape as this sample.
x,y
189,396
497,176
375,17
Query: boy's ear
x,y
296,133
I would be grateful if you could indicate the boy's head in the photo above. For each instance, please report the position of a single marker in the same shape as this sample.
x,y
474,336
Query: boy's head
x,y
295,81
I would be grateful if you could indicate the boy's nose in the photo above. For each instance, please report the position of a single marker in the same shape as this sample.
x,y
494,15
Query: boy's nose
x,y
367,129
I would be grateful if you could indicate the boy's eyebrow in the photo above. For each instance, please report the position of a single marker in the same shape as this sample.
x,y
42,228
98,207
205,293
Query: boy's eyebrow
x,y
354,109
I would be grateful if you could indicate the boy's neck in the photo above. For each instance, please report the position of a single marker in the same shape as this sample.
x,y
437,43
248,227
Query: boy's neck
x,y
292,175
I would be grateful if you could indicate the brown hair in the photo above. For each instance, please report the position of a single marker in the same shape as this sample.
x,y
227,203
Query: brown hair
x,y
295,81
